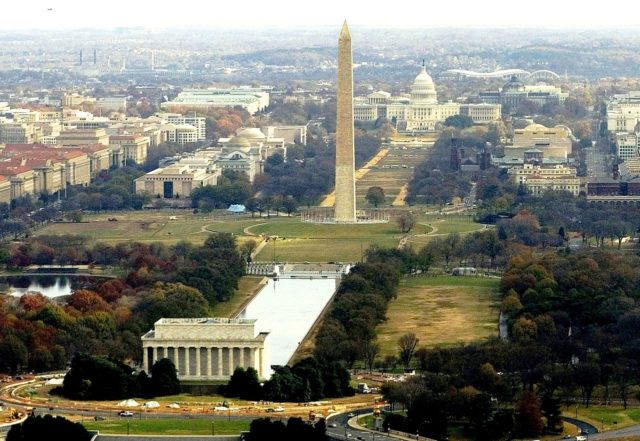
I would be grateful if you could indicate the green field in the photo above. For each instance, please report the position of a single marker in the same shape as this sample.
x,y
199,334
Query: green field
x,y
297,241
151,226
247,287
191,426
441,311
391,173
605,417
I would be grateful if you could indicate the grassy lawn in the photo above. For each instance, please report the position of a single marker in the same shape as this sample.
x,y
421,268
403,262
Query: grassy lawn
x,y
151,226
298,242
444,310
601,416
247,288
192,426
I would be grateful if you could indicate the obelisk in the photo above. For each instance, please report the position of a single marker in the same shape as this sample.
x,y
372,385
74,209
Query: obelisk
x,y
345,205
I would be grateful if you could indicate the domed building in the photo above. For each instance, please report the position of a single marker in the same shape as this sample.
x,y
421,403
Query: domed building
x,y
238,143
419,111
423,91
515,91
424,112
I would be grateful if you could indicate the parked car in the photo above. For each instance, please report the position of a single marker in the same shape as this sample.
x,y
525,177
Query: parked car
x,y
98,418
125,413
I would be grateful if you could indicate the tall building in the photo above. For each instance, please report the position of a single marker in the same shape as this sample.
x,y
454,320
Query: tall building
x,y
345,188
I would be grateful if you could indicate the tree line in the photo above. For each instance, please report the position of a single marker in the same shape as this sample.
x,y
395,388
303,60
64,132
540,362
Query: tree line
x,y
107,317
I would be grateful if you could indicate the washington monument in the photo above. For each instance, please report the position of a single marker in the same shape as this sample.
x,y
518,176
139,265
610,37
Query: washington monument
x,y
345,205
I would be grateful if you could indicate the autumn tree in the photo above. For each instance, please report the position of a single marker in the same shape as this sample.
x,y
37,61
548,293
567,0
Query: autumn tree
x,y
529,422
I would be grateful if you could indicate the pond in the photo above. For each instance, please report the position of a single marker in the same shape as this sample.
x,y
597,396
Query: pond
x,y
288,309
49,286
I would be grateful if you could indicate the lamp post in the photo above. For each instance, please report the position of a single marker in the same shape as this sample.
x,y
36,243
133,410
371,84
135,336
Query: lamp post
x,y
213,432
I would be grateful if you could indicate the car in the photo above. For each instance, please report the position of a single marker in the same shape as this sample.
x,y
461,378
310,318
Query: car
x,y
125,413
279,409
98,418
351,415
333,425
360,438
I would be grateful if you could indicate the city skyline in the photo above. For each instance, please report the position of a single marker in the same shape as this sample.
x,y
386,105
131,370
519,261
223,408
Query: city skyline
x,y
73,14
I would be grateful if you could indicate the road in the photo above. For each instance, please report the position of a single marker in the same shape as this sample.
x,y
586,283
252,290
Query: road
x,y
597,164
342,431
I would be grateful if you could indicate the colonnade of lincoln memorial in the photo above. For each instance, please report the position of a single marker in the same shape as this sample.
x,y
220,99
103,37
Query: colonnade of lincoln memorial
x,y
207,348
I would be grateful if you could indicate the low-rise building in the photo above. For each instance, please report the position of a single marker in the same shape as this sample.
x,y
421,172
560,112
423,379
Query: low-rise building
x,y
627,145
75,138
249,98
129,148
207,348
538,179
175,181
5,190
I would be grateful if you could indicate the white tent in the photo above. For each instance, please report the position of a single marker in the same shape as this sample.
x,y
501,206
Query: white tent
x,y
151,404
128,403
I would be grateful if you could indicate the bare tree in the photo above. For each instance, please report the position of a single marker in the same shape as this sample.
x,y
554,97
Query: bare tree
x,y
369,354
407,345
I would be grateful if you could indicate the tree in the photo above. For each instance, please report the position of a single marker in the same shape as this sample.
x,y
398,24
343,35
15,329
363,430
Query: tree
x,y
587,376
164,378
74,216
407,346
13,354
375,196
529,422
459,121
369,353
406,222
37,428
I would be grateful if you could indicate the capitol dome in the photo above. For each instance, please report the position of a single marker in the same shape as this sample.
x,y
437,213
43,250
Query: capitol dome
x,y
423,91
251,133
239,143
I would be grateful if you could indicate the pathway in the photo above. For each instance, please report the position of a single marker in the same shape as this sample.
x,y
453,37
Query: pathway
x,y
330,199
399,201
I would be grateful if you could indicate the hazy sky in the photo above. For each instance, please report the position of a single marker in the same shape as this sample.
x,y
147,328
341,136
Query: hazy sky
x,y
295,13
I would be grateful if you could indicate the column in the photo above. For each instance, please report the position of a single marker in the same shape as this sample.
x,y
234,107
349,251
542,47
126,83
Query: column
x,y
209,367
198,372
145,359
219,368
241,356
155,355
182,368
260,372
230,361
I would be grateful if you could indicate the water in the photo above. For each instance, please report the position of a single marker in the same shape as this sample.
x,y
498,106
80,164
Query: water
x,y
288,308
49,286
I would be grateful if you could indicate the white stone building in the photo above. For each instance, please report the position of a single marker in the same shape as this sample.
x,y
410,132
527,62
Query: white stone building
x,y
420,111
623,112
251,99
538,179
207,348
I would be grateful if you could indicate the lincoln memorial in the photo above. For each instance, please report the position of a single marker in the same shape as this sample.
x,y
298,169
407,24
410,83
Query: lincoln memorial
x,y
207,348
